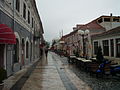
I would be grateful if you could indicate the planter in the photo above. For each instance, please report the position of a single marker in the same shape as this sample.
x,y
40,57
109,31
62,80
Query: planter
x,y
1,86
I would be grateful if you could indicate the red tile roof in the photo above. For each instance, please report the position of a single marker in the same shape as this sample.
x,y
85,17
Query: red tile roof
x,y
93,25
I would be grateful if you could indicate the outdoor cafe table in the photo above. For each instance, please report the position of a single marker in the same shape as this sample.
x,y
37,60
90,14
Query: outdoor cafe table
x,y
82,63
72,59
93,59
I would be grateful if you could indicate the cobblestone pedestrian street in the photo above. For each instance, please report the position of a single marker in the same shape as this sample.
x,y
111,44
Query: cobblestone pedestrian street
x,y
49,74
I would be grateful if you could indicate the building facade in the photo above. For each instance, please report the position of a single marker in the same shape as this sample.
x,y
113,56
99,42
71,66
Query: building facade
x,y
23,18
86,44
110,44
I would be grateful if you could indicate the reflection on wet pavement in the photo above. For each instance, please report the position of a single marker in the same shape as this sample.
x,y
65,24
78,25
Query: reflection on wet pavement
x,y
77,82
105,83
55,73
44,77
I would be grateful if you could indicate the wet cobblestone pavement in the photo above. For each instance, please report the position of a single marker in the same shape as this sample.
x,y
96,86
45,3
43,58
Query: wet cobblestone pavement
x,y
55,73
44,77
105,83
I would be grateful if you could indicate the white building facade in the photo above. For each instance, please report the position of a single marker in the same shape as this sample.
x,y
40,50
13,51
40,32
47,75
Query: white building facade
x,y
23,18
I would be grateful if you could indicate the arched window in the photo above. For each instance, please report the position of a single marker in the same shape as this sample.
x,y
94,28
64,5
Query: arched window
x,y
27,49
16,51
18,5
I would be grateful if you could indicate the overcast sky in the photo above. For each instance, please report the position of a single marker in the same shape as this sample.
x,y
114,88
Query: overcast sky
x,y
58,15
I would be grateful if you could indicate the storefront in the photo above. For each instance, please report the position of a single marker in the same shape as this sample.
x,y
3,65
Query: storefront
x,y
7,40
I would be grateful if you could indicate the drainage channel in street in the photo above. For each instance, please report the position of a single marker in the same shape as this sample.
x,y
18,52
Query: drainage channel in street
x,y
19,84
66,81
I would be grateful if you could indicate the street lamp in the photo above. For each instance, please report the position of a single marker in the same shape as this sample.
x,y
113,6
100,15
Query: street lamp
x,y
83,34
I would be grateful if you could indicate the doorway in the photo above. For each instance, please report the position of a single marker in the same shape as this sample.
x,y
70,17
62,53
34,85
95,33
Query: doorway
x,y
2,46
23,51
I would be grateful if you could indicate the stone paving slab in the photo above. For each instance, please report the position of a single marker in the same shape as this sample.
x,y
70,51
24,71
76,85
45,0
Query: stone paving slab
x,y
79,84
49,74
12,80
44,77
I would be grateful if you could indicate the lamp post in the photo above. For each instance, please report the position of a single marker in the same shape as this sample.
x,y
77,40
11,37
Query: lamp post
x,y
83,34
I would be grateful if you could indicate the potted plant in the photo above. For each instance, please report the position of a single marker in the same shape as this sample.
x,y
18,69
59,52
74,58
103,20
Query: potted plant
x,y
3,76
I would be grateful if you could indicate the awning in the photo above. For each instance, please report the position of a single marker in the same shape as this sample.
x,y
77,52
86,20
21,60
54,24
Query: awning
x,y
7,35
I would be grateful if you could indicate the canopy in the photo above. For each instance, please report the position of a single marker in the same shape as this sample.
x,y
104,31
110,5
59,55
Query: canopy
x,y
7,35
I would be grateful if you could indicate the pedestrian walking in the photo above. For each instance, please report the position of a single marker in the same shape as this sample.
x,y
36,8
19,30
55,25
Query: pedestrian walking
x,y
41,51
46,51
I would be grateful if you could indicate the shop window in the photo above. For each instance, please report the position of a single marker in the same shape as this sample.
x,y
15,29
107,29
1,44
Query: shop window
x,y
106,47
95,47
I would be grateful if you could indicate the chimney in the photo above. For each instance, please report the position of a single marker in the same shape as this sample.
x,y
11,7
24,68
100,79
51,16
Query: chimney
x,y
111,14
111,19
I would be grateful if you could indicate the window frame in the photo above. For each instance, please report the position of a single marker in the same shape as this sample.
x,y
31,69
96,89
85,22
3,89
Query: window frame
x,y
96,45
28,17
27,49
17,6
24,10
105,47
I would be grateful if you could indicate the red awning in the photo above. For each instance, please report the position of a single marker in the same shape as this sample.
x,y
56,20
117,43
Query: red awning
x,y
7,35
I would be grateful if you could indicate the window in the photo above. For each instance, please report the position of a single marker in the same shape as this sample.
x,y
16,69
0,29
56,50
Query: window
x,y
29,17
95,47
106,47
16,52
34,26
116,19
32,23
18,5
118,47
100,20
107,19
27,49
24,10
112,47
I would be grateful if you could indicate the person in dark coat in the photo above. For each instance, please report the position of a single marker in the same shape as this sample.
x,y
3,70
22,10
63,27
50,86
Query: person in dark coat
x,y
99,56
41,51
46,51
